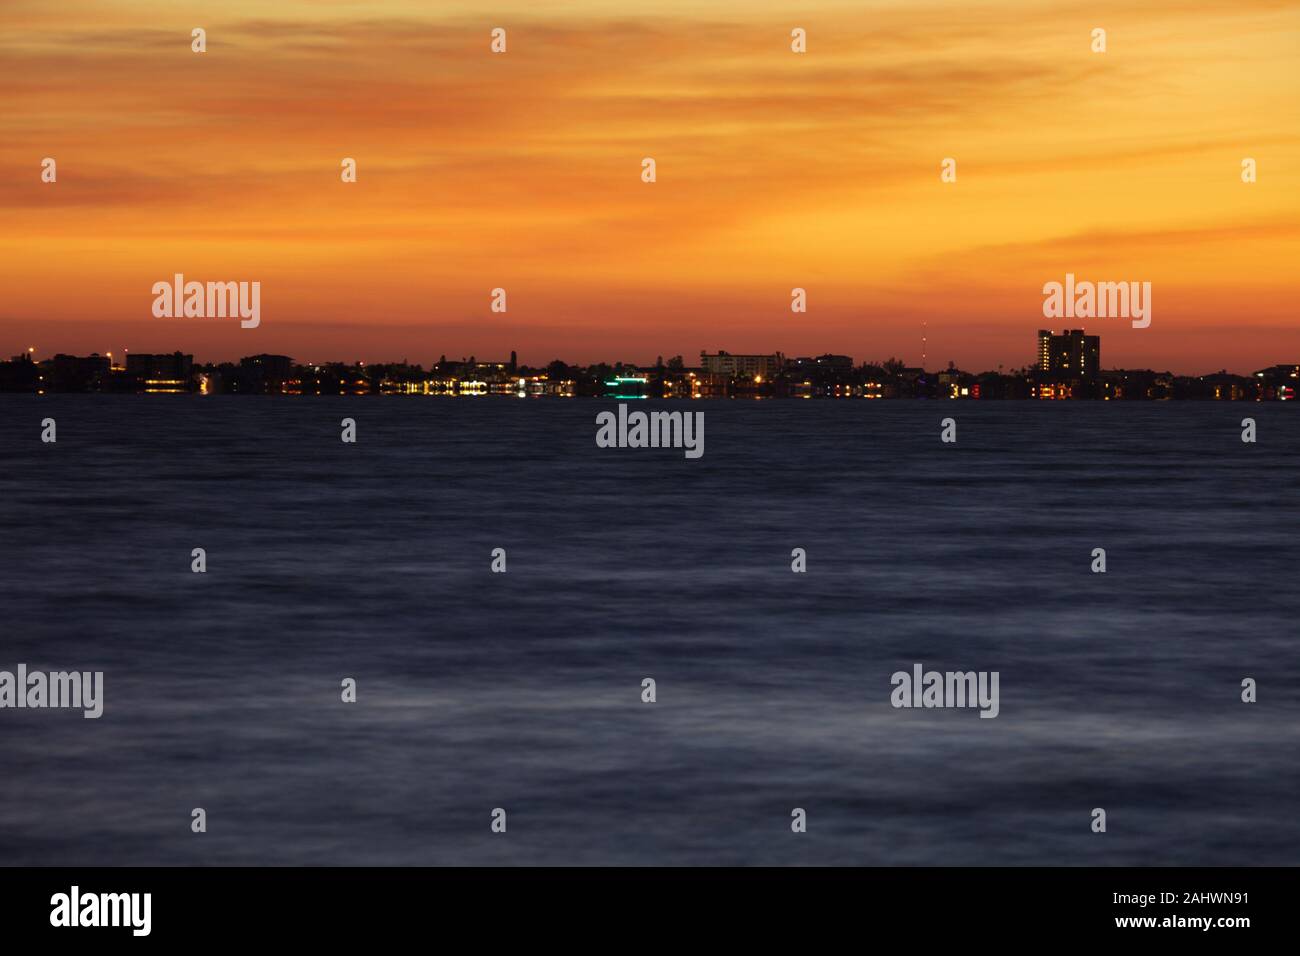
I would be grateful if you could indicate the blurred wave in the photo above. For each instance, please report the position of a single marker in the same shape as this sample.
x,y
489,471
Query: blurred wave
x,y
480,690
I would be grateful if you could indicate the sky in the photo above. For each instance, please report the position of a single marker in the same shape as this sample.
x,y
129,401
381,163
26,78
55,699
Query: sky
x,y
775,170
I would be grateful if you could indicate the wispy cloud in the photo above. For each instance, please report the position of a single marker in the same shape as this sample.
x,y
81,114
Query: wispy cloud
x,y
774,169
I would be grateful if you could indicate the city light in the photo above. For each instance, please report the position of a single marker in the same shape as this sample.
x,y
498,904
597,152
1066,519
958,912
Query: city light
x,y
1064,366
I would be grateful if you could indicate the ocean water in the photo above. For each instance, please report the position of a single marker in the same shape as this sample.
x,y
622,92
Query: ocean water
x,y
523,690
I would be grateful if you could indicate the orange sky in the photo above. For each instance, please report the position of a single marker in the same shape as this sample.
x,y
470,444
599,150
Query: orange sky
x,y
775,170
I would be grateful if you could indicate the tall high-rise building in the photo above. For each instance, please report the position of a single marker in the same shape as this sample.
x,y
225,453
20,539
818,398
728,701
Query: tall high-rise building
x,y
1070,355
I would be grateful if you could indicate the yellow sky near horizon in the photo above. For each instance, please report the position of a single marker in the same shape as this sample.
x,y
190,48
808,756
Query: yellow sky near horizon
x,y
775,170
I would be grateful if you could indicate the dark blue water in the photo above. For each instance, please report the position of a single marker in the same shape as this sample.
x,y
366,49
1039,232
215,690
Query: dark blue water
x,y
523,690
